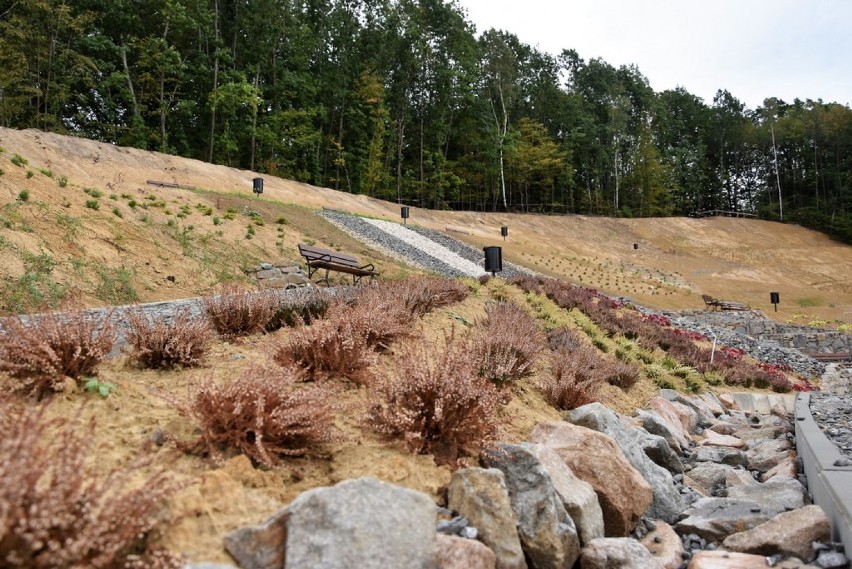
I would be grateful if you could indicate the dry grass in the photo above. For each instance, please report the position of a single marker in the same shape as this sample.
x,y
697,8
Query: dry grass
x,y
56,508
264,413
437,402
163,345
39,352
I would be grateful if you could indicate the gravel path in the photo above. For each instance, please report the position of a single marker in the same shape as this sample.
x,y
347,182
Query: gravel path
x,y
423,248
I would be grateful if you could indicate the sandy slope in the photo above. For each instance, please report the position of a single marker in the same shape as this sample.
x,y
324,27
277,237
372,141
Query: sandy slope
x,y
677,259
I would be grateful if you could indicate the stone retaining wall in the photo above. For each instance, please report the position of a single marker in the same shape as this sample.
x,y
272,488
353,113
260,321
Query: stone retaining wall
x,y
805,338
279,275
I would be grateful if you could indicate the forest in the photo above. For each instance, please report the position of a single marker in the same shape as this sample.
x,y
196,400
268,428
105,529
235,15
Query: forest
x,y
406,101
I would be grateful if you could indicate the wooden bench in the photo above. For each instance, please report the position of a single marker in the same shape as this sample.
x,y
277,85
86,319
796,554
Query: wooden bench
x,y
317,258
712,303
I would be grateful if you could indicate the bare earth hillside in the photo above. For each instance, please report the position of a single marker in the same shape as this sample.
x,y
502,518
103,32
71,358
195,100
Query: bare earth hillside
x,y
79,217
676,261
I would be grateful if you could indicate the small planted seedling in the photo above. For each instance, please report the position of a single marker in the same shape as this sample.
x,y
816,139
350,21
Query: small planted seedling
x,y
102,388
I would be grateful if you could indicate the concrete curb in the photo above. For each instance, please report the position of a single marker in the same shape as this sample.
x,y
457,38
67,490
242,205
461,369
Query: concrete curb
x,y
830,485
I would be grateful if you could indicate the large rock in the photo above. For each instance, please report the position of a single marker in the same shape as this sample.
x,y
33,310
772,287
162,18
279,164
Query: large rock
x,y
710,475
361,523
765,457
665,545
679,418
667,503
775,496
714,519
739,477
789,533
703,414
652,422
259,546
715,439
749,435
733,560
617,553
459,553
481,496
786,469
578,497
712,402
548,535
721,455
594,457
658,450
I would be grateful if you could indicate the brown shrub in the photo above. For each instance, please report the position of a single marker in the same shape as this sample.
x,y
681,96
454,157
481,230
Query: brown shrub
x,y
56,508
437,401
422,294
506,343
240,312
574,378
378,315
334,347
622,374
181,342
41,350
564,337
264,413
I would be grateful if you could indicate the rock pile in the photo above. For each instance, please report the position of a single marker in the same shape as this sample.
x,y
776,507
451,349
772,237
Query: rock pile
x,y
690,482
279,275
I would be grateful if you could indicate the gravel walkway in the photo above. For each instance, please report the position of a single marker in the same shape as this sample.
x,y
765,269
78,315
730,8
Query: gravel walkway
x,y
423,248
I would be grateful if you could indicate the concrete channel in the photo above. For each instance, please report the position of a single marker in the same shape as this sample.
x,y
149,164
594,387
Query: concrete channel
x,y
829,482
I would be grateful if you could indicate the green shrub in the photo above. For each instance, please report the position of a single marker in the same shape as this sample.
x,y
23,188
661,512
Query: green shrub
x,y
30,174
62,181
93,204
217,221
117,212
46,172
19,160
24,195
132,204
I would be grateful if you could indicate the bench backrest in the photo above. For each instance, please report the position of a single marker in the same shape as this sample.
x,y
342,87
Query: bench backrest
x,y
317,254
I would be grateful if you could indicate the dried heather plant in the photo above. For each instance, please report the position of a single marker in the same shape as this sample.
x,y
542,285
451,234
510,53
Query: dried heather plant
x,y
42,350
335,347
58,511
377,315
507,343
183,341
573,380
264,413
437,402
240,312
422,294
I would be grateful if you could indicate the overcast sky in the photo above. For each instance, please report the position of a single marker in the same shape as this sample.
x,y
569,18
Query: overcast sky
x,y
753,48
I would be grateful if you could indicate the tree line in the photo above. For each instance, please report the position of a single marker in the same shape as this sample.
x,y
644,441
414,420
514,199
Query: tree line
x,y
404,100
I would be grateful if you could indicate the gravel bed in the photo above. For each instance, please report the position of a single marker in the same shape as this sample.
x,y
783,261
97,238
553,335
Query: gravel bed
x,y
370,234
469,252
763,350
833,415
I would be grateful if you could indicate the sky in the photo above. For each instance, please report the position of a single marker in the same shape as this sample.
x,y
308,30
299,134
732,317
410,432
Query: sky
x,y
753,48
